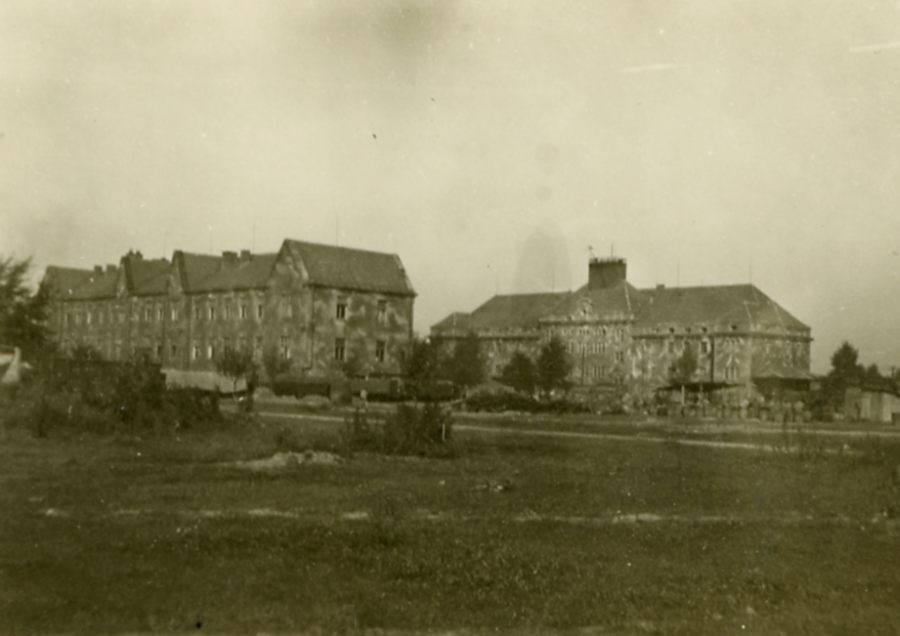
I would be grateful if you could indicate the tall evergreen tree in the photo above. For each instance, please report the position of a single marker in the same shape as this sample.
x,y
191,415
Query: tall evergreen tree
x,y
553,365
467,365
520,373
422,366
23,314
845,371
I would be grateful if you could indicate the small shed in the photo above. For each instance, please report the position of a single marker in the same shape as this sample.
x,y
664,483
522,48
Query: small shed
x,y
873,404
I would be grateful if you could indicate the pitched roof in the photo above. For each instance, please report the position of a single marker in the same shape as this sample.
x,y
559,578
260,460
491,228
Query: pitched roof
x,y
145,277
248,272
194,268
100,284
456,320
349,268
619,300
742,305
63,281
514,311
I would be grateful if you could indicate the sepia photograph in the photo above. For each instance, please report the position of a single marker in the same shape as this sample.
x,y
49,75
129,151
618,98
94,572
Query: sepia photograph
x,y
447,317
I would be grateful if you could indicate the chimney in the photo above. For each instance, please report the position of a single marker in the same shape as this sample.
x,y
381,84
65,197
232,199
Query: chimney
x,y
229,258
98,269
605,272
110,268
245,255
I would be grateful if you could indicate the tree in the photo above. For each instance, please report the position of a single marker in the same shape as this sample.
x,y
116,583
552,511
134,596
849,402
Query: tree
x,y
553,365
23,315
466,365
358,362
422,366
684,368
236,365
520,373
274,363
872,373
845,370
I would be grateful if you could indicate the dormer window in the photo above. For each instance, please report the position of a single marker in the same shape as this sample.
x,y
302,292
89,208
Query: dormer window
x,y
341,310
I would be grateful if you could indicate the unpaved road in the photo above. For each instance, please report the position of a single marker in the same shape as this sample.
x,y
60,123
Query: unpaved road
x,y
677,435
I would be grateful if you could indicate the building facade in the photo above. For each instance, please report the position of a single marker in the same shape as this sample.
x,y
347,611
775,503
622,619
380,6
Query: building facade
x,y
616,334
319,308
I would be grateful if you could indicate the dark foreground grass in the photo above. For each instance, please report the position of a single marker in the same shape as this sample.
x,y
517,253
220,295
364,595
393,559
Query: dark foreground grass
x,y
162,535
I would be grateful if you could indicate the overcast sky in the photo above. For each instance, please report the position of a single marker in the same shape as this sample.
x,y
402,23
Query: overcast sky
x,y
488,143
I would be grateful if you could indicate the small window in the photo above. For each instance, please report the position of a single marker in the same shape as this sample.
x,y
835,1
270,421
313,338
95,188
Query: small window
x,y
225,312
174,314
382,311
195,352
173,350
285,345
379,351
341,310
210,351
260,311
339,349
211,312
159,351
704,346
620,356
243,312
88,318
159,314
198,313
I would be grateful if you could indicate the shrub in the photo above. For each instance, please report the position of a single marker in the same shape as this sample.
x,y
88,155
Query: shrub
x,y
425,430
500,402
102,397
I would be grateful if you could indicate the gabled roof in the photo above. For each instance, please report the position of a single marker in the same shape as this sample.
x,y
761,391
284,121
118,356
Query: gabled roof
x,y
195,268
458,320
63,281
514,311
247,272
349,268
100,284
619,300
741,305
145,277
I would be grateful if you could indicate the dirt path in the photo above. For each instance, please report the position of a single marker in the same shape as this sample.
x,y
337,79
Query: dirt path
x,y
772,446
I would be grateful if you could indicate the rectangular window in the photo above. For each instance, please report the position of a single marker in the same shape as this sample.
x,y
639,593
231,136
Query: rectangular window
x,y
620,356
379,351
146,314
704,346
88,318
339,349
198,313
195,352
210,351
260,311
159,351
243,312
285,345
382,311
341,310
159,314
174,314
173,350
211,312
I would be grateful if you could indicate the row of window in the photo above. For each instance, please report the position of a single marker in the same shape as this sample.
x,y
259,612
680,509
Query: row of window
x,y
340,350
207,312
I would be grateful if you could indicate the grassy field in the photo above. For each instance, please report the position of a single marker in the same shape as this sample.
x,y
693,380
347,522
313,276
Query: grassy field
x,y
165,535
